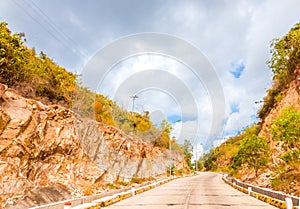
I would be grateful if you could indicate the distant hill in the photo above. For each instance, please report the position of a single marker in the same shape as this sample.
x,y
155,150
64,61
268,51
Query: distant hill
x,y
268,153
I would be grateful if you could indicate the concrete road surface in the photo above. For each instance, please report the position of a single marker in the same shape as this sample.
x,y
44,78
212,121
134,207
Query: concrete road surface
x,y
206,190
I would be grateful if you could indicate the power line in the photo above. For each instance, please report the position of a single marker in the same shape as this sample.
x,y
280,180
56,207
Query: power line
x,y
48,20
43,18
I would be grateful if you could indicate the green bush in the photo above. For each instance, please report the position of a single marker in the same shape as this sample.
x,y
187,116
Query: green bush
x,y
136,180
286,128
38,77
285,58
253,152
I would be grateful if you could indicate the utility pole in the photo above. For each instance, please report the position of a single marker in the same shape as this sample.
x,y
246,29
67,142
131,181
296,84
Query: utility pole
x,y
196,158
133,101
170,157
134,97
170,149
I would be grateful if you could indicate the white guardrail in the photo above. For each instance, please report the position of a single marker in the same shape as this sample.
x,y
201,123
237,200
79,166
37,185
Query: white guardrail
x,y
275,198
98,201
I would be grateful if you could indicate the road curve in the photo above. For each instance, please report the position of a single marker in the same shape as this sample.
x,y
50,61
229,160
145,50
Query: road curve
x,y
206,190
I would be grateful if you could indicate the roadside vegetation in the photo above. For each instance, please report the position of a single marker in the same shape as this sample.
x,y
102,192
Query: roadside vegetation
x,y
36,76
250,152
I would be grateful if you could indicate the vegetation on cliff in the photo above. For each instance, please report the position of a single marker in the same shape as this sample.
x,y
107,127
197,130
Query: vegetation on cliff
x,y
48,147
36,76
253,153
284,61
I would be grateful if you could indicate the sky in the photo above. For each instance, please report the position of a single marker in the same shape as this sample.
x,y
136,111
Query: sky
x,y
200,64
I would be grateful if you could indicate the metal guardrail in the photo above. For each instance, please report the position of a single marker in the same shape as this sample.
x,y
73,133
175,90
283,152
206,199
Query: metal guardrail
x,y
264,191
90,199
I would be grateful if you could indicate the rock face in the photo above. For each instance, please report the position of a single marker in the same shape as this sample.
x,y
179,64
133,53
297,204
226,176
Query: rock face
x,y
39,148
120,156
290,98
49,147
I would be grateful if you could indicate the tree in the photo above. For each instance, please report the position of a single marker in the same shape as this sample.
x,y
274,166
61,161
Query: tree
x,y
286,128
253,152
209,160
187,149
285,59
166,127
286,54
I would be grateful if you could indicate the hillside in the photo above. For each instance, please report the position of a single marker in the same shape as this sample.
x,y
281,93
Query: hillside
x,y
53,148
267,153
34,75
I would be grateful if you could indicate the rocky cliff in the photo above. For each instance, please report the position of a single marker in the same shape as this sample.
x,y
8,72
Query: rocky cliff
x,y
290,98
50,150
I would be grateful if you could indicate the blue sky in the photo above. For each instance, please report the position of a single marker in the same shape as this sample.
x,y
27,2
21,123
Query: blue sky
x,y
237,68
234,37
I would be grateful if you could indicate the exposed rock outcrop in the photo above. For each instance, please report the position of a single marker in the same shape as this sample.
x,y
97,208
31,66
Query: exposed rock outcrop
x,y
120,155
39,148
290,97
42,146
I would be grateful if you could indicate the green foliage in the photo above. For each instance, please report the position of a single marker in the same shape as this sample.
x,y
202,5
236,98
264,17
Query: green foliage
x,y
222,158
122,183
286,128
210,160
187,150
286,55
270,100
164,139
83,100
103,108
291,156
166,127
38,77
285,58
287,180
172,168
35,77
200,164
253,152
136,180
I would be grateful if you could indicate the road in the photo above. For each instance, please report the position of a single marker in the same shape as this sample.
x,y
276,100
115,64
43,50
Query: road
x,y
206,190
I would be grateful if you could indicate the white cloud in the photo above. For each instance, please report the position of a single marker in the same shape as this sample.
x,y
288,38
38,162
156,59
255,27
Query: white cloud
x,y
225,31
218,142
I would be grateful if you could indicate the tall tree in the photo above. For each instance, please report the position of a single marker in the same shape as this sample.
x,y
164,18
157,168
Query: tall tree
x,y
187,149
253,152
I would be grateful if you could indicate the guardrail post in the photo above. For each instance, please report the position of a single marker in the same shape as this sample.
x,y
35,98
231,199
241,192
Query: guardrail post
x,y
68,205
288,201
133,190
249,190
